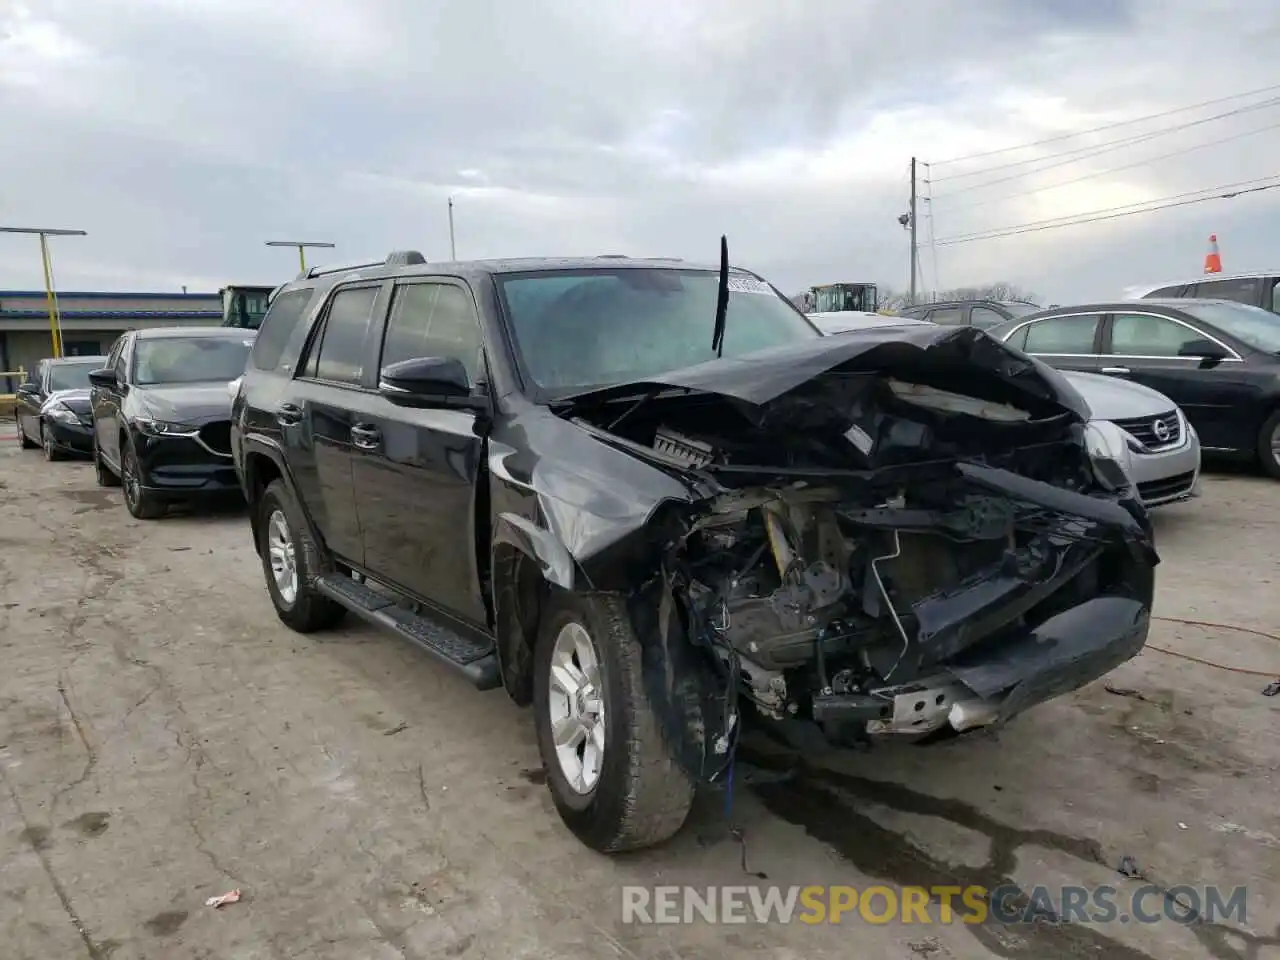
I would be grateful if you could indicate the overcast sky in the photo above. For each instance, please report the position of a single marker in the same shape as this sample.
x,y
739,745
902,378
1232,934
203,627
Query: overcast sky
x,y
182,134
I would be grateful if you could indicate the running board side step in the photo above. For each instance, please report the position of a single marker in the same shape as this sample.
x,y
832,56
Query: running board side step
x,y
475,659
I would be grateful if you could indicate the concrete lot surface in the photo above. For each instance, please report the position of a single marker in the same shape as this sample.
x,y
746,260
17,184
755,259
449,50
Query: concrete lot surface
x,y
164,739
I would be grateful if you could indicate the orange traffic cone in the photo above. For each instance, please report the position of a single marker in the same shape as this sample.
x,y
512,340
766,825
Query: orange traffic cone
x,y
1212,261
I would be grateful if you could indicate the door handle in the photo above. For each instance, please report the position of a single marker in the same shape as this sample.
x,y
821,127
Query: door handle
x,y
366,436
288,414
1115,370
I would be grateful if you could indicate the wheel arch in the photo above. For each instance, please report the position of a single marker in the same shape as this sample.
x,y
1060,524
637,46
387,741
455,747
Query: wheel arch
x,y
261,465
528,563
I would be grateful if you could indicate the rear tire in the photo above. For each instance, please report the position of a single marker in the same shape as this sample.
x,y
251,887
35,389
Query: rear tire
x,y
1269,446
285,542
631,792
51,453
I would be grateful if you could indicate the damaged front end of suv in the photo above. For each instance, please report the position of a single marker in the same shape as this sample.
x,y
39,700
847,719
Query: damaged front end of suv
x,y
895,534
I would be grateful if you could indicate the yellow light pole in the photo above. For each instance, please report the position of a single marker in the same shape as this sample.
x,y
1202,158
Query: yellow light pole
x,y
51,298
301,245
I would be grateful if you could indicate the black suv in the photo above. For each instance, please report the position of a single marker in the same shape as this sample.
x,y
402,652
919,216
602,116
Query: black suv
x,y
544,473
162,415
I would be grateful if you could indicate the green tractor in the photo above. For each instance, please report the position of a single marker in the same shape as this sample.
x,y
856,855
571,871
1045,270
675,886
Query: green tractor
x,y
245,306
842,298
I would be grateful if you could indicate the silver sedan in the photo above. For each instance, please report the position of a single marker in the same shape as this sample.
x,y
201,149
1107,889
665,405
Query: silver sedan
x,y
1146,432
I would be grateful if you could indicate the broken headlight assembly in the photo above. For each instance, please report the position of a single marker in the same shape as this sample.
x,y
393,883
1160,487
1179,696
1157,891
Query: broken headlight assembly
x,y
61,413
1108,452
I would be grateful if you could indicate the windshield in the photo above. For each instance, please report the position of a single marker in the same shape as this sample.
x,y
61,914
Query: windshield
x,y
581,329
72,376
1258,328
189,359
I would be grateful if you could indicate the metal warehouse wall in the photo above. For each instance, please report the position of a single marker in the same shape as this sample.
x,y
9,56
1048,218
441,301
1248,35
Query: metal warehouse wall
x,y
91,321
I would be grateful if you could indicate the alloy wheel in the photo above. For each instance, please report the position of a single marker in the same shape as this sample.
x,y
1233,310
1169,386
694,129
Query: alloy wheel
x,y
283,556
576,705
132,482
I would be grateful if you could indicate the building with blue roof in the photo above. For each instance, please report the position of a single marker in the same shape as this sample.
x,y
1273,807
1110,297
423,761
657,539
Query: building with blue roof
x,y
91,321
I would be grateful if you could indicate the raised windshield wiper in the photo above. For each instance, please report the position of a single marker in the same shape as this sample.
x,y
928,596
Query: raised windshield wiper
x,y
722,299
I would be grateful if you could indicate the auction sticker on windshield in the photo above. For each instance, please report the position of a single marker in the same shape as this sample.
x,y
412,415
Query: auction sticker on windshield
x,y
750,285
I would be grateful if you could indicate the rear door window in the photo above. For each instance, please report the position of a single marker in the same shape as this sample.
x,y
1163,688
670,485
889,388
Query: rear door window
x,y
947,316
1242,290
337,349
984,318
1063,336
282,319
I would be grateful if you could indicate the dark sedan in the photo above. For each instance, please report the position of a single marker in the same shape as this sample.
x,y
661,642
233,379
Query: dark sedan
x,y
162,415
1217,360
52,408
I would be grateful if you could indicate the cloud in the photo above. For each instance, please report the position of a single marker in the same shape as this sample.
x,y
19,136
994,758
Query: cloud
x,y
182,134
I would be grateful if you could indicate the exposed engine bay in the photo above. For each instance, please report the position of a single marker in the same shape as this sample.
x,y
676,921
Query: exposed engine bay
x,y
909,561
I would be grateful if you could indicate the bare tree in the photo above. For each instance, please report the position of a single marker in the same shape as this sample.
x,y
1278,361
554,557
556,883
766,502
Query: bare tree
x,y
999,290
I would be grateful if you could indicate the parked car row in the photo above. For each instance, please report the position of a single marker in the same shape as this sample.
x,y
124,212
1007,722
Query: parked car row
x,y
653,501
1218,360
154,414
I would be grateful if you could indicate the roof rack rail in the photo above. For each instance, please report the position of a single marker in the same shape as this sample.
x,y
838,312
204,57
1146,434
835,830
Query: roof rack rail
x,y
320,271
396,258
612,256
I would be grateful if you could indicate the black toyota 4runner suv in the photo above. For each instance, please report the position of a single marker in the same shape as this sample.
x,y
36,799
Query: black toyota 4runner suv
x,y
650,499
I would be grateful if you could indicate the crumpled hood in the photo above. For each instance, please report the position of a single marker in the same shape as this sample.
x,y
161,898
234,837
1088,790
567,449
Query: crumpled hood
x,y
77,401
183,403
928,352
1110,398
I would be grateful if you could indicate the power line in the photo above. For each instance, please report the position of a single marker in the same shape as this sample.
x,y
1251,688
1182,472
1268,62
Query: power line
x,y
1229,191
1108,126
1083,153
1121,169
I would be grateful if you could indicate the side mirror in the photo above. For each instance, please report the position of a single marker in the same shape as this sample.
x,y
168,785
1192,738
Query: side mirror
x,y
1203,350
103,378
429,382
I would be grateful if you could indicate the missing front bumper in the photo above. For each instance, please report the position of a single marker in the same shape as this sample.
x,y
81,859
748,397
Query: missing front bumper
x,y
987,687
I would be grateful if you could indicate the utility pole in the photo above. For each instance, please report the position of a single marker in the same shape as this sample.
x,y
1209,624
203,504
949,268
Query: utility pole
x,y
915,250
453,250
55,317
301,245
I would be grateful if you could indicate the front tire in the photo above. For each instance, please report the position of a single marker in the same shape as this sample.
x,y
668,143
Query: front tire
x,y
612,778
1269,446
103,473
291,562
51,453
140,504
